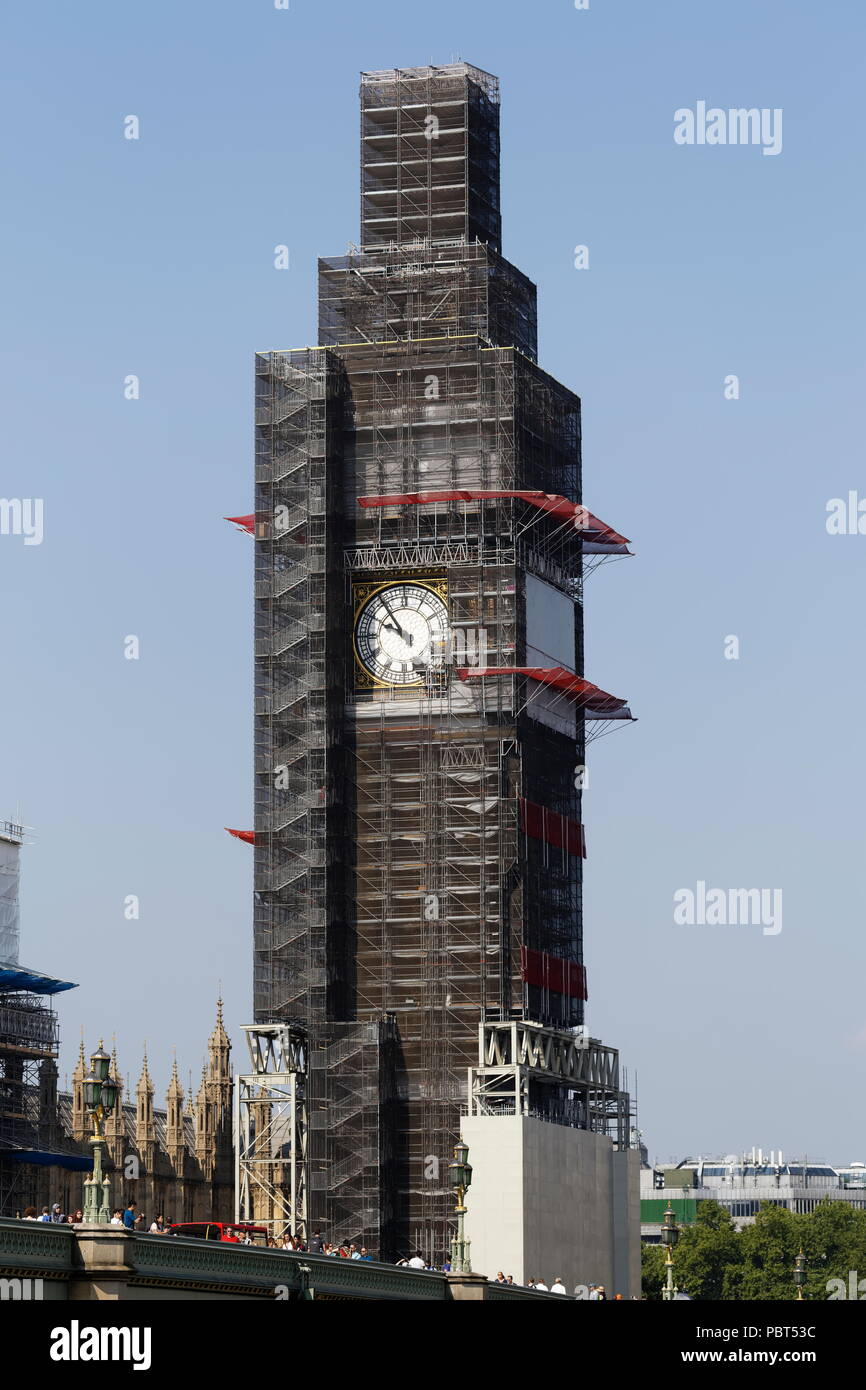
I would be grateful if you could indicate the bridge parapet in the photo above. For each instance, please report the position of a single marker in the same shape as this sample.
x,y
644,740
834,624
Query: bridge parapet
x,y
108,1262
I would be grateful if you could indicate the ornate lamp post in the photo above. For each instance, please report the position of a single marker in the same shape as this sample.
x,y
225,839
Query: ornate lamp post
x,y
670,1236
800,1274
100,1097
461,1176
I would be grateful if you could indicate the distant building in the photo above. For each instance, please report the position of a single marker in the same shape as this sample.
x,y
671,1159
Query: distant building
x,y
742,1185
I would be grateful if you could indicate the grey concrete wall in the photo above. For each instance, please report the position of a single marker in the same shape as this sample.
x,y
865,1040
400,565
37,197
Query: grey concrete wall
x,y
626,1223
547,1200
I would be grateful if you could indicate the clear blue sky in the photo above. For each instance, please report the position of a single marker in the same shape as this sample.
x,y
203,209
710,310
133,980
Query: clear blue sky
x,y
155,258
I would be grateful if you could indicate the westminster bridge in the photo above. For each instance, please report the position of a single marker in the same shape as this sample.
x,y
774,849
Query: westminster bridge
x,y
43,1261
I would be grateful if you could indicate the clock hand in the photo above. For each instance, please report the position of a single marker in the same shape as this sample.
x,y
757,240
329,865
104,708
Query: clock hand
x,y
406,637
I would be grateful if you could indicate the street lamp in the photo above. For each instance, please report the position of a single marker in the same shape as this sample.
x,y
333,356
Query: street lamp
x,y
800,1274
461,1176
100,1098
670,1235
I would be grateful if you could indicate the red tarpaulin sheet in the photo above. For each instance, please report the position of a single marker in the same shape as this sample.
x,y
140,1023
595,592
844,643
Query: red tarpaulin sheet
x,y
553,973
557,830
244,523
594,529
248,835
583,692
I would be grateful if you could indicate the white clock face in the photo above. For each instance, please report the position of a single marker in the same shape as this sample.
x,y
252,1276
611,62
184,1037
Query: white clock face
x,y
401,633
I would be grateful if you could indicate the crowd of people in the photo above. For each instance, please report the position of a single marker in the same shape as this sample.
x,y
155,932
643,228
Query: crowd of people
x,y
417,1261
55,1215
130,1218
345,1250
538,1284
134,1220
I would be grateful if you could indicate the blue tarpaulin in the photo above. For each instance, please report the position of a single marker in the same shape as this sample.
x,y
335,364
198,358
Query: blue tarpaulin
x,y
79,1163
16,977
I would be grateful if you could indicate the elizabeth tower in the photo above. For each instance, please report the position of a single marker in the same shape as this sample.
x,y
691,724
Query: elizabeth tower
x,y
420,544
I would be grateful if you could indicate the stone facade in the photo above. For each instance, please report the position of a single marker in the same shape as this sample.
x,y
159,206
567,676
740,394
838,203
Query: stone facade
x,y
178,1161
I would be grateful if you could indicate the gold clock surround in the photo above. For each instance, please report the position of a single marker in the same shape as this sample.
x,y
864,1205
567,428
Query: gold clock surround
x,y
362,591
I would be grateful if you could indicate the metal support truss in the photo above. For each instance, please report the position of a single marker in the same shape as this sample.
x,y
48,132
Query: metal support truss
x,y
404,557
271,1131
560,1074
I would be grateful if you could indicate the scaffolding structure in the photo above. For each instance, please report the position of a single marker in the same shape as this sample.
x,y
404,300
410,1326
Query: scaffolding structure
x,y
419,847
430,155
564,1076
426,290
29,1043
270,1126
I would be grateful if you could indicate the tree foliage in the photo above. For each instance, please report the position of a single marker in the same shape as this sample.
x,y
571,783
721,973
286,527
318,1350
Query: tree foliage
x,y
714,1261
652,1270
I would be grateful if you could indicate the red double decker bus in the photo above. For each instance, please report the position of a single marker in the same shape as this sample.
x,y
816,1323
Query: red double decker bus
x,y
232,1231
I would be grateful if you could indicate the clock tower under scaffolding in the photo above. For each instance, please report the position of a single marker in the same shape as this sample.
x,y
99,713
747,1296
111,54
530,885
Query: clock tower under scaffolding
x,y
421,711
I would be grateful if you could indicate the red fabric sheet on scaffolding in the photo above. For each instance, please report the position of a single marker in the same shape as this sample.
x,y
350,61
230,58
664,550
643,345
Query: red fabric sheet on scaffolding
x,y
249,836
559,831
552,972
593,528
244,523
583,692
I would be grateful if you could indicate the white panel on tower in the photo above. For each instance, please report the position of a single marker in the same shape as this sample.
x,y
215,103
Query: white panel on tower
x,y
549,625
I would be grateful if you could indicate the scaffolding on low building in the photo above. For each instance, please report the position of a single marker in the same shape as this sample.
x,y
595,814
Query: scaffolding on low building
x,y
29,1044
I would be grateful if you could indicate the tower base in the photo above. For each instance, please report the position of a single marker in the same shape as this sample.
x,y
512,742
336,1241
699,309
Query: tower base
x,y
549,1201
